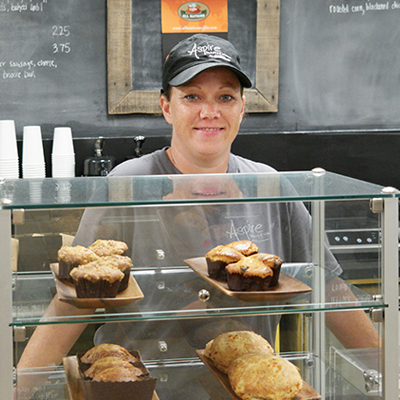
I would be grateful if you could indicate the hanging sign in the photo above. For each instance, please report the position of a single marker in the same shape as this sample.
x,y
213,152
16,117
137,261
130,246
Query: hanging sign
x,y
207,16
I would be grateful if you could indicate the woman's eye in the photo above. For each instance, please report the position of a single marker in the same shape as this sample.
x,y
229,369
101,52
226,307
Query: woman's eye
x,y
191,97
227,97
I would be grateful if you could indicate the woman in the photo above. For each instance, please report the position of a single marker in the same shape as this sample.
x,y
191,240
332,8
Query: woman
x,y
202,99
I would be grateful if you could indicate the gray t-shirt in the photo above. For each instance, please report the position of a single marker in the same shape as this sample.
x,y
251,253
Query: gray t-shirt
x,y
187,231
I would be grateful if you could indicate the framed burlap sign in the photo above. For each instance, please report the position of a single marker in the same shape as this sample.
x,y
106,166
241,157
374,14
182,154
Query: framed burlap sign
x,y
124,99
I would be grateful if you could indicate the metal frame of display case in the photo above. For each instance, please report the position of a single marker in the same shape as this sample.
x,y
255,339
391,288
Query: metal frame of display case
x,y
386,310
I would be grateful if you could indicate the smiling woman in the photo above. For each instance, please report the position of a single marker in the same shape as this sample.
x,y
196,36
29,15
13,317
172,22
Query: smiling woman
x,y
202,98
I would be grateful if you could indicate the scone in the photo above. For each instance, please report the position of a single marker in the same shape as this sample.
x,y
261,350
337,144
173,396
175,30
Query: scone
x,y
108,247
230,345
107,350
257,272
110,362
218,258
264,377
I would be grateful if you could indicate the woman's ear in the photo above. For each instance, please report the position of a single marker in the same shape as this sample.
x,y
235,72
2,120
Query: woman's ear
x,y
166,108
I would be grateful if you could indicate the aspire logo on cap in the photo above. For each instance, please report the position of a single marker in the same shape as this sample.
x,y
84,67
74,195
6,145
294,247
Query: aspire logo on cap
x,y
208,50
193,11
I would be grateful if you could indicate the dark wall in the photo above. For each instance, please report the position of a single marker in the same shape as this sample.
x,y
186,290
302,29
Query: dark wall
x,y
339,83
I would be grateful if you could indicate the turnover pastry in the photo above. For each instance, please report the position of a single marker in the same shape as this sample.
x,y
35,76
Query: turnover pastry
x,y
106,350
228,346
111,362
264,377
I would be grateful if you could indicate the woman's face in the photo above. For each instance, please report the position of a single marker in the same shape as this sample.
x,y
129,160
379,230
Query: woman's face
x,y
205,114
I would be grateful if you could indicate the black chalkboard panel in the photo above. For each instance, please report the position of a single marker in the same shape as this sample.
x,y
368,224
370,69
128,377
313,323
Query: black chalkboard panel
x,y
52,62
341,62
339,66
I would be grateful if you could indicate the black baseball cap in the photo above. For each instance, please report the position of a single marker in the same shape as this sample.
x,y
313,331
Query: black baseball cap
x,y
198,53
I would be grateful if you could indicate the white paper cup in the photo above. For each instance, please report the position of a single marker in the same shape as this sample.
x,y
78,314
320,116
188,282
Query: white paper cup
x,y
62,141
8,140
63,166
32,146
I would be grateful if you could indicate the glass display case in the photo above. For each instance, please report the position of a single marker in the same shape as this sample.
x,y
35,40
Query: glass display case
x,y
172,308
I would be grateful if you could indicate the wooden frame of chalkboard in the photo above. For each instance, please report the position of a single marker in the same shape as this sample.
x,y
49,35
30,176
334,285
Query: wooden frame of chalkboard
x,y
123,99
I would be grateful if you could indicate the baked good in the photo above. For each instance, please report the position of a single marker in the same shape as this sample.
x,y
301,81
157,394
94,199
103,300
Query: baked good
x,y
230,345
116,374
124,264
218,258
110,362
70,257
274,262
246,247
96,280
108,247
264,377
107,350
257,272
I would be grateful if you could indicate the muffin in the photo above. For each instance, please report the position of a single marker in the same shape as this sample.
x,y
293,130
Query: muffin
x,y
116,374
246,247
264,377
70,257
108,247
258,272
230,345
111,362
218,258
107,350
274,262
124,264
96,281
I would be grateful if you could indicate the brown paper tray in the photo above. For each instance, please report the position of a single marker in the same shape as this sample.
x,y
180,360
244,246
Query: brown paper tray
x,y
66,292
306,393
71,366
287,288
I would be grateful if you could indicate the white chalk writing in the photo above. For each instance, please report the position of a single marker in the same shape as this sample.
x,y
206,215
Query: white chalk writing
x,y
347,7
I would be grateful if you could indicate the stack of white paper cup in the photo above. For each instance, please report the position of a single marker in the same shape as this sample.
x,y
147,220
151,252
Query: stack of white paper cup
x,y
9,167
33,165
63,155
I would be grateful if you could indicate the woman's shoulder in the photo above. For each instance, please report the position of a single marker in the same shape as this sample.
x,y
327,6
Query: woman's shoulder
x,y
244,165
155,163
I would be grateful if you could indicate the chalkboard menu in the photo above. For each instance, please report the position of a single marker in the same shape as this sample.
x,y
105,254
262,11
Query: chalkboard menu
x,y
339,65
52,62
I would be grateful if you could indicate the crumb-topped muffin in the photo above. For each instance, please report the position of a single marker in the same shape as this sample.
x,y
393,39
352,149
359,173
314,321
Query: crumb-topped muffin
x,y
108,247
250,274
218,258
107,350
124,264
97,279
70,257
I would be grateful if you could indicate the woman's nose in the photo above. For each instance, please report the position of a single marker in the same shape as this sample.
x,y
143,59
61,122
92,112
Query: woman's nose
x,y
209,110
